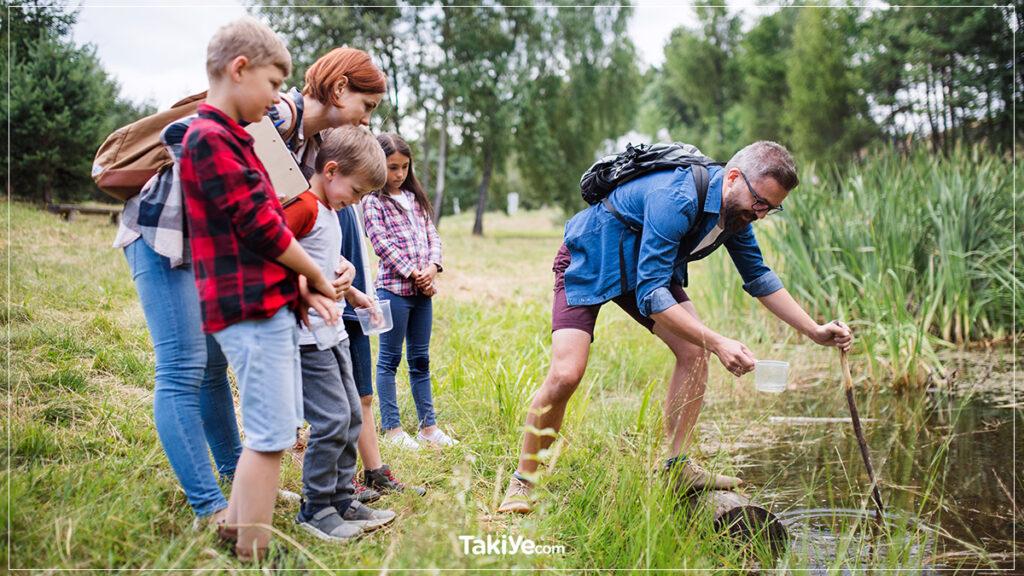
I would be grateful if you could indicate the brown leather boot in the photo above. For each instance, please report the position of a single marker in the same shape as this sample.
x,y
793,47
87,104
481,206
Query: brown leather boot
x,y
688,476
517,498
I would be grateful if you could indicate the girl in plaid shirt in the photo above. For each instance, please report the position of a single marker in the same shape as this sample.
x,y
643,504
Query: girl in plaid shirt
x,y
399,224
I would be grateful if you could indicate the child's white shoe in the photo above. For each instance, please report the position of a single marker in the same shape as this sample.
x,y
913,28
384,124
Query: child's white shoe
x,y
437,438
402,440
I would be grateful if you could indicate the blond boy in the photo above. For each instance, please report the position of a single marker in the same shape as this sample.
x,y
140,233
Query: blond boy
x,y
246,264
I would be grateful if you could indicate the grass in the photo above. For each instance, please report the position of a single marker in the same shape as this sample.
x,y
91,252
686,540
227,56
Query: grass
x,y
91,488
917,251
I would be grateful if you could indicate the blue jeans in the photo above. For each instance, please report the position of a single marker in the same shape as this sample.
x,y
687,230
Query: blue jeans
x,y
192,402
362,363
412,317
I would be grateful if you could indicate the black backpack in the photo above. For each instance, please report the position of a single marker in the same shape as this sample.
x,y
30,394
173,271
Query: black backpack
x,y
617,169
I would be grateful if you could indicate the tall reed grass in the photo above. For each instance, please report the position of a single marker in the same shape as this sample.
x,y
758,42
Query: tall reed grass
x,y
915,251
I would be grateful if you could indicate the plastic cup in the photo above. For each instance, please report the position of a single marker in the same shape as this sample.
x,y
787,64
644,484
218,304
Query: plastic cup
x,y
770,376
326,336
375,320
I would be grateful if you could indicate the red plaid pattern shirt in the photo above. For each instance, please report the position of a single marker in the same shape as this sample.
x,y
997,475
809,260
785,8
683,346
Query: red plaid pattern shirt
x,y
236,225
403,241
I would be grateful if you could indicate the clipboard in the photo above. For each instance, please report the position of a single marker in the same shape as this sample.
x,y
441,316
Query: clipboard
x,y
270,148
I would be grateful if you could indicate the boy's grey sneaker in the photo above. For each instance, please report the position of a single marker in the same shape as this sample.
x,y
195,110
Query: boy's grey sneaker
x,y
327,524
368,518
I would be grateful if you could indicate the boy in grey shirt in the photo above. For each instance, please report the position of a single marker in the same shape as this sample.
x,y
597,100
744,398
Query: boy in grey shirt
x,y
349,164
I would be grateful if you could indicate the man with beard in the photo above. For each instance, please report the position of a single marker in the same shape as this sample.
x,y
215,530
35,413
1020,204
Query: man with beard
x,y
599,250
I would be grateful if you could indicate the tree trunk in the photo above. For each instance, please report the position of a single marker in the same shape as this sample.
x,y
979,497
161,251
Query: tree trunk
x,y
950,103
424,162
485,183
990,122
442,163
928,106
943,108
392,73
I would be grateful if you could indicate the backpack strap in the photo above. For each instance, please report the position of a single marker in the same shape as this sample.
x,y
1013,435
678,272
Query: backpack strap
x,y
295,105
701,179
700,182
622,240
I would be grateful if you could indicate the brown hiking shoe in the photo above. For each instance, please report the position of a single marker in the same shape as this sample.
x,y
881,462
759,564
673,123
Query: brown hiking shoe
x,y
517,498
688,476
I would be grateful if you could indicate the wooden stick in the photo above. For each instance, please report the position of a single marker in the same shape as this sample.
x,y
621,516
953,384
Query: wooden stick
x,y
812,420
855,419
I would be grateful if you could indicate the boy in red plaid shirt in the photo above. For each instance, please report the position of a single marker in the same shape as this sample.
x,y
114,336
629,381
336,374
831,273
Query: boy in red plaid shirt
x,y
246,263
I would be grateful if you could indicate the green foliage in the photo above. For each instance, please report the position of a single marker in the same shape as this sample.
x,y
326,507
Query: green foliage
x,y
917,251
526,93
26,22
701,70
762,63
951,67
822,109
583,92
833,81
62,105
695,93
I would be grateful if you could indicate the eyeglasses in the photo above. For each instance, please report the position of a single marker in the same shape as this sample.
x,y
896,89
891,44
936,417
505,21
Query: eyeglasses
x,y
759,202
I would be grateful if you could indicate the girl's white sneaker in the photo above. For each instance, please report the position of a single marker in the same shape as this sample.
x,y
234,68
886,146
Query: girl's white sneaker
x,y
437,438
402,440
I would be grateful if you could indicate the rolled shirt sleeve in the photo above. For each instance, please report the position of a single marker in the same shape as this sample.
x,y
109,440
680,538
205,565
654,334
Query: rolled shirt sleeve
x,y
667,218
758,279
661,299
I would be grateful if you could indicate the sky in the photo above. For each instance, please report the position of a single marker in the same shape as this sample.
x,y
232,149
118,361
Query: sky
x,y
157,49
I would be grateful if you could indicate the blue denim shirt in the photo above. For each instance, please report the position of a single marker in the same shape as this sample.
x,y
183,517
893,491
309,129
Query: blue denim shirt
x,y
665,204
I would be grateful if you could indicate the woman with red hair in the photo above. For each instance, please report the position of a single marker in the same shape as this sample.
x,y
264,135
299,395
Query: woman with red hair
x,y
344,87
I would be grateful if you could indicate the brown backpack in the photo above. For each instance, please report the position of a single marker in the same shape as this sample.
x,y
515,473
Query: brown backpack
x,y
133,154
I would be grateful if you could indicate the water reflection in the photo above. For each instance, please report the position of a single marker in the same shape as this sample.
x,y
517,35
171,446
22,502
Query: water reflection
x,y
944,460
825,538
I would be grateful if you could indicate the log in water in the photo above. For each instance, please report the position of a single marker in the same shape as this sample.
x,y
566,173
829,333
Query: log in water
x,y
743,518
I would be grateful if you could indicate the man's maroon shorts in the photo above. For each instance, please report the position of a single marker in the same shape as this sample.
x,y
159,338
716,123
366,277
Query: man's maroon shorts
x,y
585,317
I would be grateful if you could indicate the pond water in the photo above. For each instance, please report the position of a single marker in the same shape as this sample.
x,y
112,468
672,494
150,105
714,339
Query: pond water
x,y
944,458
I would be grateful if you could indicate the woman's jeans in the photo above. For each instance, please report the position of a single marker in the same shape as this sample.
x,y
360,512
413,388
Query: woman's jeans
x,y
412,317
192,402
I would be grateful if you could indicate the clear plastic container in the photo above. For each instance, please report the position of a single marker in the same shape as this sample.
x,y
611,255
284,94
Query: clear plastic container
x,y
375,320
326,336
771,375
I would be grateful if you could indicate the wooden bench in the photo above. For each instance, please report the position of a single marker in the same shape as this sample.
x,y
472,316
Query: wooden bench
x,y
69,211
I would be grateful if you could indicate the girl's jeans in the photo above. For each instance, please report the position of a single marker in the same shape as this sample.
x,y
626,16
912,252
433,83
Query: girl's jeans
x,y
192,402
412,317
